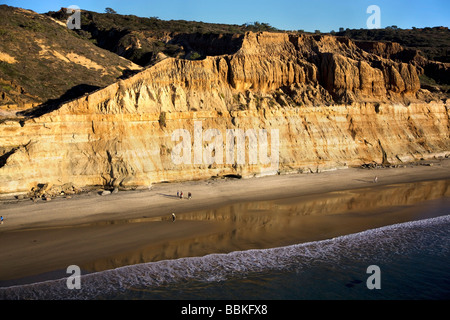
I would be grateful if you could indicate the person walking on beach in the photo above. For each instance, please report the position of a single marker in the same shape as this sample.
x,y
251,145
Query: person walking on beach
x,y
181,195
178,194
173,217
375,180
189,195
1,219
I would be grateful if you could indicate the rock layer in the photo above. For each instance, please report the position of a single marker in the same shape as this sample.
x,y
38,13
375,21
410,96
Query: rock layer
x,y
332,104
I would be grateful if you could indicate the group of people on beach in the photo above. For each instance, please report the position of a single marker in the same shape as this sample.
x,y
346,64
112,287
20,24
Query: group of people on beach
x,y
180,195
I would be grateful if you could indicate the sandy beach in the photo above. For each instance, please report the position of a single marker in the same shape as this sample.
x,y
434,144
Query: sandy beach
x,y
100,232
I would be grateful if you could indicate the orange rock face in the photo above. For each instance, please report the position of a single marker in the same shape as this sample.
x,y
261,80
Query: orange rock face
x,y
332,104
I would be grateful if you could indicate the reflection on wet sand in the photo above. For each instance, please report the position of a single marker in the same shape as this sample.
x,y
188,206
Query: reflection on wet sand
x,y
239,226
266,224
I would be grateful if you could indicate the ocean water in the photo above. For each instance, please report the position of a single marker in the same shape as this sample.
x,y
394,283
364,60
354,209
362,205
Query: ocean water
x,y
413,258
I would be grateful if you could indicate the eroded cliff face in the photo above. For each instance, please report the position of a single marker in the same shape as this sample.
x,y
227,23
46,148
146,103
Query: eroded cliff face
x,y
331,103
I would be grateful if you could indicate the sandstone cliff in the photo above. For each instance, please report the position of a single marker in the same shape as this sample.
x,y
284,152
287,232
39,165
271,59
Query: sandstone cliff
x,y
333,104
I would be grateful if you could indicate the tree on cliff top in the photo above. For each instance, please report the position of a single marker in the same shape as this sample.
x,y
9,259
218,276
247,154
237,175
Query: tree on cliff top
x,y
110,10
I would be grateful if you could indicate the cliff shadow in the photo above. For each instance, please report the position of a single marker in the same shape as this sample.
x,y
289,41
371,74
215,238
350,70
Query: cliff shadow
x,y
54,104
210,44
127,73
4,157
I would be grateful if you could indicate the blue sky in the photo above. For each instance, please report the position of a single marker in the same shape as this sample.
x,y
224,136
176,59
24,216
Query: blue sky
x,y
323,15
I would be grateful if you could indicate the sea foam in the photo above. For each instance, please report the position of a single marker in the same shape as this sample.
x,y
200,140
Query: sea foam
x,y
432,234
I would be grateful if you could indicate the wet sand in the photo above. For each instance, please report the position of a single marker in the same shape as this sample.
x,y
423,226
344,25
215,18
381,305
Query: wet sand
x,y
40,240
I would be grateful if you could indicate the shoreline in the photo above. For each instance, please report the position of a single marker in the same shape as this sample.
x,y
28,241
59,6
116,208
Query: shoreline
x,y
92,207
110,227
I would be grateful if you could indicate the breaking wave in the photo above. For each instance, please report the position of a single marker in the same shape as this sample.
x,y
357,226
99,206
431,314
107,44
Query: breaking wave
x,y
385,242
